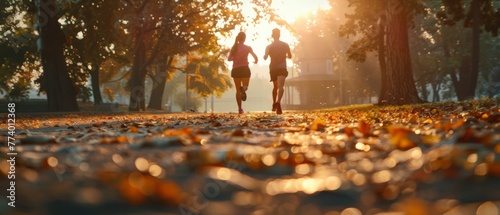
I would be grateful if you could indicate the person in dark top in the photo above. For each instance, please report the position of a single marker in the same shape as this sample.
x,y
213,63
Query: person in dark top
x,y
278,51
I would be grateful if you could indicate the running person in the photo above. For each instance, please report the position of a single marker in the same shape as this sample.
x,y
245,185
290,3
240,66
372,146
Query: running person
x,y
240,71
278,51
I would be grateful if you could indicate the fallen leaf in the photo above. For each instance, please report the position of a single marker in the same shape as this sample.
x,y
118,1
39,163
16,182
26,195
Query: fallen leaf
x,y
238,133
364,128
401,137
318,125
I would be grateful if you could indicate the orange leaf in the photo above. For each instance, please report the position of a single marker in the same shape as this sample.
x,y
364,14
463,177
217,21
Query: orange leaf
x,y
318,125
413,118
238,133
364,128
428,121
178,132
349,131
133,129
460,122
401,137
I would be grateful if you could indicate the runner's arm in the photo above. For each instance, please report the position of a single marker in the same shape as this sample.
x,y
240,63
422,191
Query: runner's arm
x,y
230,57
255,59
267,53
289,53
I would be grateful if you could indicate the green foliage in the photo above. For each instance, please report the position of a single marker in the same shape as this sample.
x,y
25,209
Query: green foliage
x,y
489,80
105,35
84,94
19,91
18,55
174,29
362,23
439,51
460,10
205,76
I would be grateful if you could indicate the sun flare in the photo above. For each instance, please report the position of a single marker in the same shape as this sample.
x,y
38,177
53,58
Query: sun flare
x,y
259,35
290,10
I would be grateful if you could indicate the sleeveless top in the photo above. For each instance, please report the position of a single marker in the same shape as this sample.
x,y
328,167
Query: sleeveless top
x,y
240,58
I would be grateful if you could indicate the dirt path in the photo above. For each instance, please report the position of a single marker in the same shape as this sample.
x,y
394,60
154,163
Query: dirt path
x,y
417,160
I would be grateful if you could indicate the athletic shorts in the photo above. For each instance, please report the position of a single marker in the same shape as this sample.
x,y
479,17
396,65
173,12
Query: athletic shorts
x,y
240,72
278,72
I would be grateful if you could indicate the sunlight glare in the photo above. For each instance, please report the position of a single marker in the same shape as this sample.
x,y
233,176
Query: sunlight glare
x,y
290,10
259,36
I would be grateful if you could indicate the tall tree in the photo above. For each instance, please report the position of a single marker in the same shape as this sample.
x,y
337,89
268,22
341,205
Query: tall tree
x,y
400,85
85,31
383,27
176,28
173,27
91,25
479,15
55,81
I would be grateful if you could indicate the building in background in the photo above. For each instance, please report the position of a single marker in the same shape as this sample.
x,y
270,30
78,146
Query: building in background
x,y
326,79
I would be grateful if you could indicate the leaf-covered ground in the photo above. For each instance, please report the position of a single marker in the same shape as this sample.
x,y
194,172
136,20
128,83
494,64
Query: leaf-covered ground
x,y
426,159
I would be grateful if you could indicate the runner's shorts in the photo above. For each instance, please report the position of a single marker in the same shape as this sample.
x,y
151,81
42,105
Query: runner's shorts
x,y
240,72
278,72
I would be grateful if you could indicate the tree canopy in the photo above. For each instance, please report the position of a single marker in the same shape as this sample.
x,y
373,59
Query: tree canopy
x,y
370,24
94,34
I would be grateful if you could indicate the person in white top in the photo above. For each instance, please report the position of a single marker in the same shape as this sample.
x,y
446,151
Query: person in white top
x,y
278,51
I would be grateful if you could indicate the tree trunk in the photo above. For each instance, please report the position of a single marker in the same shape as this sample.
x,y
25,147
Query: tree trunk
x,y
96,91
400,87
137,78
156,99
60,89
463,82
473,72
466,82
382,57
159,82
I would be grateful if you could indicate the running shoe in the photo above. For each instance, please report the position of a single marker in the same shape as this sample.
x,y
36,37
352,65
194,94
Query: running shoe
x,y
243,94
240,111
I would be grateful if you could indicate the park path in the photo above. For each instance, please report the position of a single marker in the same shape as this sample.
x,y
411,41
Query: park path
x,y
370,160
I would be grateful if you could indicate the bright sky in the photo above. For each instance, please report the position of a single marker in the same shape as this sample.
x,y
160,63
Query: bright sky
x,y
259,37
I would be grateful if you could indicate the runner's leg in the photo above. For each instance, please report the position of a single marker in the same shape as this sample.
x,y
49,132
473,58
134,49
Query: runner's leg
x,y
246,83
237,84
275,93
281,87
